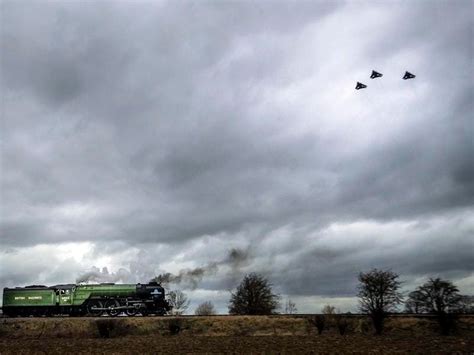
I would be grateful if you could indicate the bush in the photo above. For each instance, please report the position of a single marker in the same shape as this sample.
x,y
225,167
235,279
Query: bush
x,y
175,326
110,328
342,324
107,328
447,323
363,326
319,322
205,309
330,314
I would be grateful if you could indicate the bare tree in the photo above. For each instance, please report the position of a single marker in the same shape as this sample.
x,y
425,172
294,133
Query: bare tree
x,y
466,304
179,301
438,297
413,303
205,309
328,310
254,295
379,295
290,307
329,314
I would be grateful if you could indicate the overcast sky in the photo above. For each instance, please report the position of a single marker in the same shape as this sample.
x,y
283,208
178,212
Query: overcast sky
x,y
151,137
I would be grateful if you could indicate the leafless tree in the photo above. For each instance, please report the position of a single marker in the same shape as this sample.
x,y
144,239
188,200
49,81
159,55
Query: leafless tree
x,y
205,309
413,303
290,307
329,314
379,295
438,297
254,295
466,304
179,301
328,310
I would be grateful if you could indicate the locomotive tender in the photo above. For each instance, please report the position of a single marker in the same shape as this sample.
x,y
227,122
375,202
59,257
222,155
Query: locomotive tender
x,y
86,300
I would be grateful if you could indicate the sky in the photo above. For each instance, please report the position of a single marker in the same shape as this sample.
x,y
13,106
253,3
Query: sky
x,y
211,139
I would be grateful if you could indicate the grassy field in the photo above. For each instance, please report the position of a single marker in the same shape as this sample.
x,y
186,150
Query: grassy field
x,y
239,334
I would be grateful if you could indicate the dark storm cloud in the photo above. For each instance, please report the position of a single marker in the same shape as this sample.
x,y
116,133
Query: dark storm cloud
x,y
165,124
156,150
426,252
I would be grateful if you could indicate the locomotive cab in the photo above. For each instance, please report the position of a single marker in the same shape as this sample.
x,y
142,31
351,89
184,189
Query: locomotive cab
x,y
151,290
153,296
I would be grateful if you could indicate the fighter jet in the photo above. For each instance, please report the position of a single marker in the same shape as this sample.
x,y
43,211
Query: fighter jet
x,y
408,75
375,75
360,86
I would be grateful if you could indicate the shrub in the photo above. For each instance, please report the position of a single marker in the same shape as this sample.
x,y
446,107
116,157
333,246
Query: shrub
x,y
175,326
319,322
330,314
447,323
342,324
110,328
205,309
105,327
363,326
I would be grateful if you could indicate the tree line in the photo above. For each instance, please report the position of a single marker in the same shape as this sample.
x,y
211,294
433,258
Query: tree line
x,y
378,292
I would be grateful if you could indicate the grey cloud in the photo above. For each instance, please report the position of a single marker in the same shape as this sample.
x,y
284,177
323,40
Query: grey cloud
x,y
95,275
334,273
131,125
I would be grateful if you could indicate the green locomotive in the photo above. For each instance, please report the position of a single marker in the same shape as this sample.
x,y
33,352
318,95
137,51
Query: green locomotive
x,y
86,300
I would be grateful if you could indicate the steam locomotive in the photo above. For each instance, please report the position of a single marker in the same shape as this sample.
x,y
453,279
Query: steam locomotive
x,y
86,300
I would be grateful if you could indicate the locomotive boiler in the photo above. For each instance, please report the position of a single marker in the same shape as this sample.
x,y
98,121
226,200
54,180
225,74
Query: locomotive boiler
x,y
86,300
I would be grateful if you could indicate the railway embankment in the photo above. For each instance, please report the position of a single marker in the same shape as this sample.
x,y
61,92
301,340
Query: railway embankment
x,y
107,327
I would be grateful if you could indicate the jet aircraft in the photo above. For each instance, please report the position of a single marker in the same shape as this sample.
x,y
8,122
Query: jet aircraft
x,y
375,75
360,86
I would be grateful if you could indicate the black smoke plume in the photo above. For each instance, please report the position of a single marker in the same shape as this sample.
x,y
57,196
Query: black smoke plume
x,y
235,259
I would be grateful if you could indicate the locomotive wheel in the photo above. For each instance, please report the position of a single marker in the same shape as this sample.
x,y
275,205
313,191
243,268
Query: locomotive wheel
x,y
94,304
131,312
111,304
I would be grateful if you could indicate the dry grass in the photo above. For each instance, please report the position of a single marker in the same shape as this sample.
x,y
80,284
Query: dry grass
x,y
181,344
239,334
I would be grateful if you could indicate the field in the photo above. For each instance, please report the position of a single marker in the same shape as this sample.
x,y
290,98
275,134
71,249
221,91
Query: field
x,y
225,334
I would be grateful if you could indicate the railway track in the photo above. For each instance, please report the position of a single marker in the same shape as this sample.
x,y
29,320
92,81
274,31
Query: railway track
x,y
297,315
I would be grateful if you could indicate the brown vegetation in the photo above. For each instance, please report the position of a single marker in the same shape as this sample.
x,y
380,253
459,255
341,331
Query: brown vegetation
x,y
237,334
